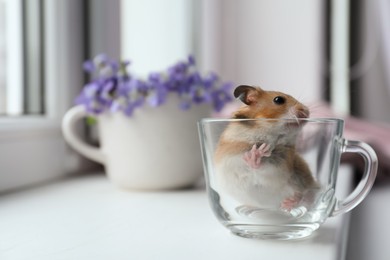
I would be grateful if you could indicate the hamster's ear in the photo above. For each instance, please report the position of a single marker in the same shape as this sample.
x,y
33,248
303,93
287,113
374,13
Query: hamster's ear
x,y
247,94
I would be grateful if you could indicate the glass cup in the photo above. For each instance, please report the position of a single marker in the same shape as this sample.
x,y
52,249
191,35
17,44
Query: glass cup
x,y
276,178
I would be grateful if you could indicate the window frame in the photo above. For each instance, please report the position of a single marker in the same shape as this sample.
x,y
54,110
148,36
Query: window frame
x,y
14,30
32,149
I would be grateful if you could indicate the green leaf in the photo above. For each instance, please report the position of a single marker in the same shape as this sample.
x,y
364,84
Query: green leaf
x,y
91,120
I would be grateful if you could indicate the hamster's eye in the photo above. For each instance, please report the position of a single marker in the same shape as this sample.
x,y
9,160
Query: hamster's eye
x,y
279,100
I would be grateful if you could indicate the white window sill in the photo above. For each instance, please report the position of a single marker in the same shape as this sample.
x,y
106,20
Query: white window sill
x,y
86,217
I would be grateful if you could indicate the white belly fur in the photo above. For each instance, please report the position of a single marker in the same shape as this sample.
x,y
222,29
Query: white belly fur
x,y
265,187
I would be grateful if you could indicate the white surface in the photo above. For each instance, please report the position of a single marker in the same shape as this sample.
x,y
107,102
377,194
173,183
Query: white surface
x,y
88,218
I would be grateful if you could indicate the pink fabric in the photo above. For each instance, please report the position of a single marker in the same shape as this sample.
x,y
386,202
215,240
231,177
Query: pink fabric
x,y
376,134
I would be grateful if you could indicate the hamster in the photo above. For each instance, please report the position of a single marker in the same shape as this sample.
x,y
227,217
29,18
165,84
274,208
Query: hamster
x,y
256,161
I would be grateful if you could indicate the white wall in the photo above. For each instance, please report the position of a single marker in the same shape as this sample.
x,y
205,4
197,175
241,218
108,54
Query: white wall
x,y
155,33
104,26
275,44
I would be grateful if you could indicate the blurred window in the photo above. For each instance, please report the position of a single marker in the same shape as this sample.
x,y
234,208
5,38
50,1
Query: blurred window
x,y
21,60
41,52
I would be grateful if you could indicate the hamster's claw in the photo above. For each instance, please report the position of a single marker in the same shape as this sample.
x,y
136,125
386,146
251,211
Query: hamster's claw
x,y
265,150
291,202
253,157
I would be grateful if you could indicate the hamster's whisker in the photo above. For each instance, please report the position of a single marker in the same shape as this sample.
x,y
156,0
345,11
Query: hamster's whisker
x,y
296,119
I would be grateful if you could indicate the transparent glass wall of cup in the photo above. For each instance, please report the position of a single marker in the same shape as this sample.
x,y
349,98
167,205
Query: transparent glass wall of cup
x,y
271,199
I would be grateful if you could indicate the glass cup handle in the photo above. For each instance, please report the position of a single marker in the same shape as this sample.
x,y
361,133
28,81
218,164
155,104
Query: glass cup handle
x,y
368,178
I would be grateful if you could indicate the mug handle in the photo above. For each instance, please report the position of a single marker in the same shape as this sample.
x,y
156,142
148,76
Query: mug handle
x,y
368,178
74,140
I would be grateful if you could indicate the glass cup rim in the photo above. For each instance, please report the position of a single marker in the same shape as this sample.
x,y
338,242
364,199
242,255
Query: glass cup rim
x,y
324,120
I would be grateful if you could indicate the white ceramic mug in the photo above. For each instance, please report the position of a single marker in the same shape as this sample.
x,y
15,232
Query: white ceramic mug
x,y
155,148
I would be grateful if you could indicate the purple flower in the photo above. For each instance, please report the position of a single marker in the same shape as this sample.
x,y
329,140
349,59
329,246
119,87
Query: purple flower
x,y
191,60
101,59
107,93
108,70
222,96
129,96
114,89
199,94
102,67
89,97
89,66
177,76
210,80
157,90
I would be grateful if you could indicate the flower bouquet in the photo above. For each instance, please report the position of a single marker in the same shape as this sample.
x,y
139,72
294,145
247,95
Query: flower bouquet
x,y
113,88
146,139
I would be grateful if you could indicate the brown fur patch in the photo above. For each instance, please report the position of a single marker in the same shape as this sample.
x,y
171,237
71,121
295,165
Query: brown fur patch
x,y
304,176
226,148
262,105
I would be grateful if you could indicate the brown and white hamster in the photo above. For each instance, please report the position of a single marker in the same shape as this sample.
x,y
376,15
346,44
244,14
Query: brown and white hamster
x,y
256,161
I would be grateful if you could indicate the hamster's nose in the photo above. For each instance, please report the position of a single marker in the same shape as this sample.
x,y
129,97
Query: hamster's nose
x,y
302,112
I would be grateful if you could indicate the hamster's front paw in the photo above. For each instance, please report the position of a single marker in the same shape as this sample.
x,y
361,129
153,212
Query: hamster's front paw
x,y
253,157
